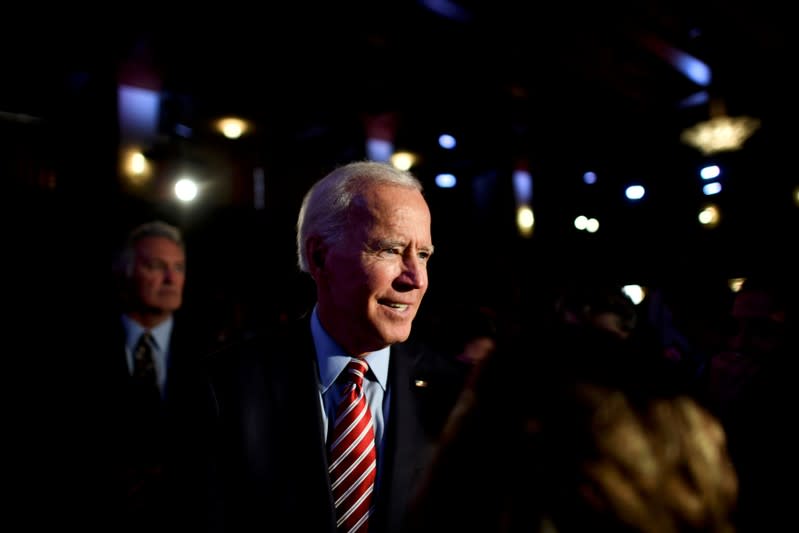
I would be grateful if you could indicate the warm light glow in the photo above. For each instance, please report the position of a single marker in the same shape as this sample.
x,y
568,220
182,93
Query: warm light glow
x,y
403,160
720,133
135,166
525,220
796,196
186,189
709,216
635,292
232,128
138,163
735,284
583,223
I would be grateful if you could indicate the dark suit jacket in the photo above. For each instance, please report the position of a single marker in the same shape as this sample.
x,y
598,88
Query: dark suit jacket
x,y
162,491
273,462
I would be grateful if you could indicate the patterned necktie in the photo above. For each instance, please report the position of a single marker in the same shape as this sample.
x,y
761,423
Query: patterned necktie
x,y
144,377
352,454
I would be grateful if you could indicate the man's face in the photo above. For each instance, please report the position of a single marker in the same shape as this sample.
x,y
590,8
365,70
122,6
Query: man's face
x,y
371,284
159,273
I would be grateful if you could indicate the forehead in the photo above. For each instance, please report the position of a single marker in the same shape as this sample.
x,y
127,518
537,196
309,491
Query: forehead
x,y
158,246
392,205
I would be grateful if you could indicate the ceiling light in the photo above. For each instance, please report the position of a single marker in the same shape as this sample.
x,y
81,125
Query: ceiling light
x,y
232,127
721,133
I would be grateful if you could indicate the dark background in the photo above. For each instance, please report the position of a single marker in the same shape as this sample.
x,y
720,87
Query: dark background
x,y
564,87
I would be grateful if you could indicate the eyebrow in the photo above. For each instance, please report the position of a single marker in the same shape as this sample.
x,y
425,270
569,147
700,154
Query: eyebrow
x,y
391,243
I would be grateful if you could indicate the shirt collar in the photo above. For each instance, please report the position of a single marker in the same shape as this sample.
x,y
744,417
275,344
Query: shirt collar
x,y
161,333
333,359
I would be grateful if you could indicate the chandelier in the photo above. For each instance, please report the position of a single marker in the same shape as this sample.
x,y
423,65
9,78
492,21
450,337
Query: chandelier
x,y
721,133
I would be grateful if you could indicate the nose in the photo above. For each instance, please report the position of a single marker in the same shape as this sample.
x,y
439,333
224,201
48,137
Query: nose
x,y
171,274
414,273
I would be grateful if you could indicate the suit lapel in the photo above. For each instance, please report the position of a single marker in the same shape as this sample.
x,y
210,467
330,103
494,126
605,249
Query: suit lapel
x,y
406,445
296,397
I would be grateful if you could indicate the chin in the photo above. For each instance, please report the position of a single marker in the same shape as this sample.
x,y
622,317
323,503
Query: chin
x,y
395,335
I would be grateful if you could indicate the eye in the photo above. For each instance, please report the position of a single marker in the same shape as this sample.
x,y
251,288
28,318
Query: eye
x,y
424,256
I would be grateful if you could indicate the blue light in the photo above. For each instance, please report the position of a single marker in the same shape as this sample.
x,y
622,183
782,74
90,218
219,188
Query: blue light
x,y
711,188
522,186
446,141
446,181
635,192
709,172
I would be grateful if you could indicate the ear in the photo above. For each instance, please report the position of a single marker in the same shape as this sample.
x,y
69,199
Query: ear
x,y
316,252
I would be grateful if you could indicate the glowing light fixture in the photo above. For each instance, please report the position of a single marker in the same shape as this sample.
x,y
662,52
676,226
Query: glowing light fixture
x,y
186,189
403,160
709,216
232,127
721,133
735,284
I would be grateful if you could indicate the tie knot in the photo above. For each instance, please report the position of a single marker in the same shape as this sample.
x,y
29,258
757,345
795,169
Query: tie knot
x,y
143,364
356,370
146,340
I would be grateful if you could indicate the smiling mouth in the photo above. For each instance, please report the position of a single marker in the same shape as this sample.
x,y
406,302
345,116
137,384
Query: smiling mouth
x,y
395,305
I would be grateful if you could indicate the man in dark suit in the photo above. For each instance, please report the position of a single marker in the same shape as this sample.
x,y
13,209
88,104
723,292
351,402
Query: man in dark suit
x,y
154,389
363,235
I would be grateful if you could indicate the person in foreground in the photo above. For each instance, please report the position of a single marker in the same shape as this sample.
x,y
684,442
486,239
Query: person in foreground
x,y
320,419
543,448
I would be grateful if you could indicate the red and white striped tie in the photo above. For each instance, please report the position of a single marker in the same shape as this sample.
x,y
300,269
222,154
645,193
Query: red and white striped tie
x,y
352,454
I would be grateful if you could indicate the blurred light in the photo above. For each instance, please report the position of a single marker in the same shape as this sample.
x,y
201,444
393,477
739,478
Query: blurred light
x,y
735,284
592,225
589,178
699,97
446,141
186,189
379,149
709,216
403,160
449,9
446,181
709,172
138,113
581,222
635,192
721,133
693,69
138,163
710,189
636,293
796,196
135,166
232,127
183,130
525,220
522,186
259,188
